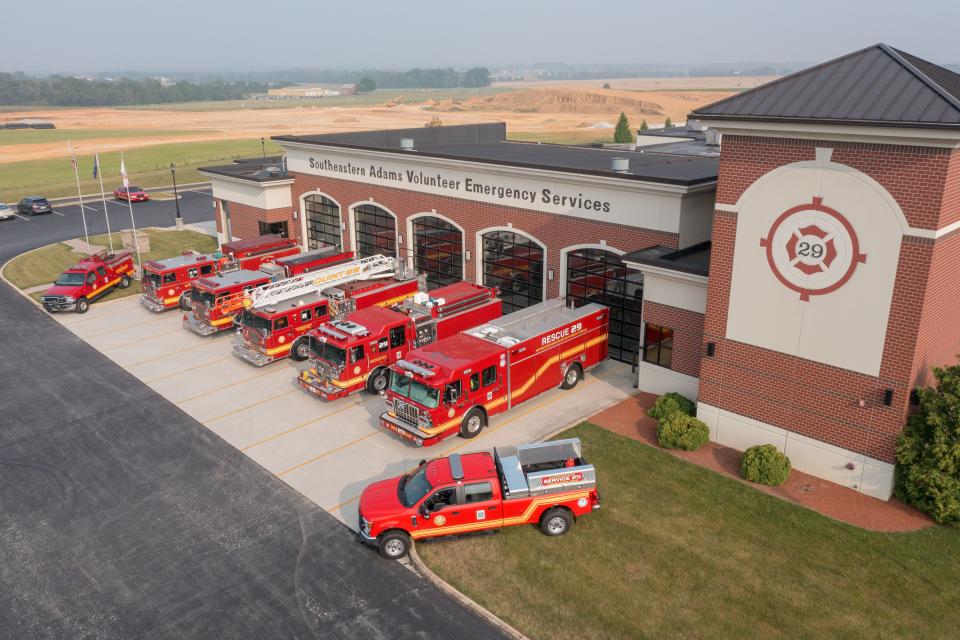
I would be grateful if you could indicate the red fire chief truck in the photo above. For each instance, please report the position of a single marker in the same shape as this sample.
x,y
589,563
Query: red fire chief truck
x,y
549,484
91,278
355,353
278,314
455,385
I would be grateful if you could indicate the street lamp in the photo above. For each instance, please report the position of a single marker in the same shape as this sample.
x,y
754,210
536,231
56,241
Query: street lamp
x,y
176,196
263,147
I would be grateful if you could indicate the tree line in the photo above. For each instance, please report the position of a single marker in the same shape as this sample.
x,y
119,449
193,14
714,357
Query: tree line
x,y
17,89
424,79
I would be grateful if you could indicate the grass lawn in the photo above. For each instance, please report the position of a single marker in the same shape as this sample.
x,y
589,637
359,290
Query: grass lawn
x,y
146,166
38,136
679,551
44,265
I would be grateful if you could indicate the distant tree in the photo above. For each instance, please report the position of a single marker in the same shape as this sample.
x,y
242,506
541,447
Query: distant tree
x,y
667,123
366,84
623,133
927,474
643,125
606,85
477,77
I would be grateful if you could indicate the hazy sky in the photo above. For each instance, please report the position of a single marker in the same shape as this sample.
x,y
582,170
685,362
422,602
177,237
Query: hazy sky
x,y
74,36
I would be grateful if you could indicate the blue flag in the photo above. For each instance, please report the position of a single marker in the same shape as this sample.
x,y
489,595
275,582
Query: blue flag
x,y
96,164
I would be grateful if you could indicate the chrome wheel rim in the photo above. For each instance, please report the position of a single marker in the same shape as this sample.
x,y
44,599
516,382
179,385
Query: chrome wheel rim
x,y
303,351
556,525
473,424
380,382
572,375
394,548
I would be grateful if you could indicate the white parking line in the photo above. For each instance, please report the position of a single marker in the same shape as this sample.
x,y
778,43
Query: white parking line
x,y
21,217
59,214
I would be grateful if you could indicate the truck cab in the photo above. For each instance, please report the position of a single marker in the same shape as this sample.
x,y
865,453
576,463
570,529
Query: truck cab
x,y
549,484
90,279
167,283
268,333
216,300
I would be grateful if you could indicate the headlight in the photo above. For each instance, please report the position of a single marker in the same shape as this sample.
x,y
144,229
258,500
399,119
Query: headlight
x,y
389,402
364,525
424,420
69,299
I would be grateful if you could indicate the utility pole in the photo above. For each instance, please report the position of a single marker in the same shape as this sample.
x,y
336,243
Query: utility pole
x,y
176,196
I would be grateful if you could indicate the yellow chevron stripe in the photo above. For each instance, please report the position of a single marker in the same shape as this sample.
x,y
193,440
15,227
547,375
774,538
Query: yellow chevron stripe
x,y
276,350
99,289
343,384
393,301
526,385
221,321
170,300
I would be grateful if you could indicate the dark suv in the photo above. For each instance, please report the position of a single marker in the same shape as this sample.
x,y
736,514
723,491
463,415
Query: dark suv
x,y
33,205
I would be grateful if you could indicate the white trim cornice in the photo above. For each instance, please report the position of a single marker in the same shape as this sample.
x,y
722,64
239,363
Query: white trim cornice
x,y
912,136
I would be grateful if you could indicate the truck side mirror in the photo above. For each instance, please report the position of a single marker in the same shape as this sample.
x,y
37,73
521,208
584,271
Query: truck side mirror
x,y
424,512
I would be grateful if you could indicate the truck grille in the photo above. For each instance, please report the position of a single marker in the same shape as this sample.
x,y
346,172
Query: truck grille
x,y
53,299
406,412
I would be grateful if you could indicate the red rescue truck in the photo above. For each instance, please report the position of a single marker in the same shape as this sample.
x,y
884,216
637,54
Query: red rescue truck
x,y
91,278
216,300
456,385
277,315
167,283
549,484
355,353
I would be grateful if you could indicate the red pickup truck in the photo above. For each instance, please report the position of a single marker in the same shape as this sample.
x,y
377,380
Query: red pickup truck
x,y
91,278
549,484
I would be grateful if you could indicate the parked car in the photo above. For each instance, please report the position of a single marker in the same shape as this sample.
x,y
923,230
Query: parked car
x,y
5,212
136,194
32,205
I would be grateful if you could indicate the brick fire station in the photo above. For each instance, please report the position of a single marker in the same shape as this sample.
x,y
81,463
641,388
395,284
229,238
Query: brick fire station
x,y
789,258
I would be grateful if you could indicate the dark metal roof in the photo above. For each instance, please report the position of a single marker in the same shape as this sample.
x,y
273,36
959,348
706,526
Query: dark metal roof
x,y
487,143
259,169
694,259
878,85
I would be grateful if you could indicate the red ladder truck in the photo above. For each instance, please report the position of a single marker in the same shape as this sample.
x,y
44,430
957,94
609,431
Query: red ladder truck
x,y
276,314
355,353
548,484
455,385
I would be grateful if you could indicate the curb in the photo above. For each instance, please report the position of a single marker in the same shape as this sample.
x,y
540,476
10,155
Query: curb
x,y
461,599
68,201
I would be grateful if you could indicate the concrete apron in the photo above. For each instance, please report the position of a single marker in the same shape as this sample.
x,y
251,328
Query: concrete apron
x,y
327,451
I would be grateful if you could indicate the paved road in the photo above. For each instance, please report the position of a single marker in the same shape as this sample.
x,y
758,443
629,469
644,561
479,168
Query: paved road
x,y
122,517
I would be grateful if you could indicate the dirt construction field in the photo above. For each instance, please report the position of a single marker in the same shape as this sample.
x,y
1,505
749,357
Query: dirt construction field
x,y
542,109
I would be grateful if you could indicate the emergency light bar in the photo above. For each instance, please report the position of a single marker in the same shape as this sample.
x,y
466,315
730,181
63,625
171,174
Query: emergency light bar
x,y
415,368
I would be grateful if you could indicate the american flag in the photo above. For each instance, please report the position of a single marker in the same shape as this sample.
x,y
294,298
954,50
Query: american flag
x,y
123,173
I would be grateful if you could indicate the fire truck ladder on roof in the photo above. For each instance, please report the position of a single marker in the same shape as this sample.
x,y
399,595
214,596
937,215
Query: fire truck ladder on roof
x,y
378,266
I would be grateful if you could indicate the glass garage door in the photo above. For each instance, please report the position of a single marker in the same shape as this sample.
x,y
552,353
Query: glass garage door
x,y
323,222
438,251
514,263
376,231
595,275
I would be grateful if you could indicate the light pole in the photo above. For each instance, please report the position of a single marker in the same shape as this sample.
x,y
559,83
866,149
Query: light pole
x,y
263,147
176,196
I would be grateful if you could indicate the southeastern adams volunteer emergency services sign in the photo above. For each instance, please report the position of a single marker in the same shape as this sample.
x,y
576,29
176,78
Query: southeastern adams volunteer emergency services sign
x,y
812,249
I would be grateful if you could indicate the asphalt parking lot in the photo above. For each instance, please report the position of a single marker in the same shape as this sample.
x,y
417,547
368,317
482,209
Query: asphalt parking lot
x,y
327,451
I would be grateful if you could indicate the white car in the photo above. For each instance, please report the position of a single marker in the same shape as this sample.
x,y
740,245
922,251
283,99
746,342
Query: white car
x,y
5,212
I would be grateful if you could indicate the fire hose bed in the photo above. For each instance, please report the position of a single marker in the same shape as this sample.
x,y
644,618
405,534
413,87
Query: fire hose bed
x,y
329,451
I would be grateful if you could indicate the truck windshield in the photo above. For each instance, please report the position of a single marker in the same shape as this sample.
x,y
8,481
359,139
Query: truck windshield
x,y
328,352
253,321
203,297
416,391
414,486
152,279
70,279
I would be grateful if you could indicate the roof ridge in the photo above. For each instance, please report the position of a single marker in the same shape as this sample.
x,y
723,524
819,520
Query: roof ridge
x,y
897,55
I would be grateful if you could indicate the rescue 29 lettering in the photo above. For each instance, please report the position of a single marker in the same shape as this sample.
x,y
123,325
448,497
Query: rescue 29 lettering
x,y
562,333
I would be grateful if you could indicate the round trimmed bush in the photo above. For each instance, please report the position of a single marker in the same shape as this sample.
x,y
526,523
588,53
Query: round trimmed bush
x,y
672,403
680,431
764,464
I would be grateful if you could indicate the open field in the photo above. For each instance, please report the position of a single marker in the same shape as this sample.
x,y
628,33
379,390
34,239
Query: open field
x,y
729,84
45,136
147,167
678,551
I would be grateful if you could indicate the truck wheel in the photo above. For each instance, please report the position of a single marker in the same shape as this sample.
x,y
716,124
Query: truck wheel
x,y
571,376
300,350
184,302
393,545
473,423
124,282
82,305
379,380
556,522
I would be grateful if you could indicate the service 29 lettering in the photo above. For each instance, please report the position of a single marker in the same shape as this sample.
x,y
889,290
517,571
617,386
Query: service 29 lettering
x,y
561,334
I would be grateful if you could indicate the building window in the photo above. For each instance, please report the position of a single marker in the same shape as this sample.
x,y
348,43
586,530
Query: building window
x,y
276,228
513,263
438,251
376,231
658,345
599,275
323,222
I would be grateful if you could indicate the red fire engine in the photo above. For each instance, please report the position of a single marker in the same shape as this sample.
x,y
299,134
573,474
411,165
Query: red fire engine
x,y
455,385
549,484
251,253
355,353
217,299
166,283
91,278
276,315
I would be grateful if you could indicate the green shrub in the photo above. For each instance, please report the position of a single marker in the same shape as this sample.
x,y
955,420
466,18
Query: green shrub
x,y
927,474
764,464
672,403
680,431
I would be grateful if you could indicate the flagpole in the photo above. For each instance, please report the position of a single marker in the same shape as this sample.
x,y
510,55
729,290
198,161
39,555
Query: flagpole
x,y
133,224
83,215
103,197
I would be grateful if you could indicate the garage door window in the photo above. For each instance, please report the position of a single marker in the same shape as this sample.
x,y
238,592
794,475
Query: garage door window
x,y
323,222
438,251
513,263
376,231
